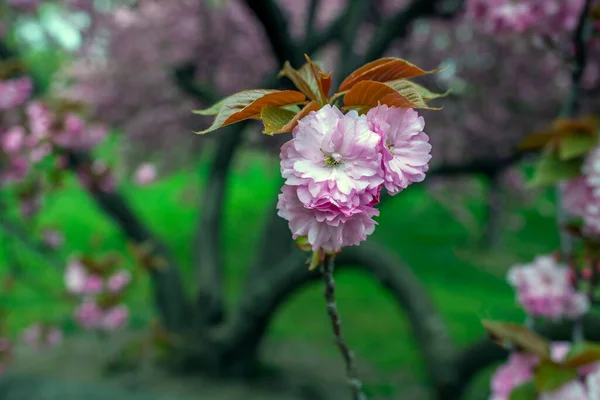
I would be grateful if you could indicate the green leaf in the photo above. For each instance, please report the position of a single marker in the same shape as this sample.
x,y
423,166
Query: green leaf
x,y
212,110
517,336
550,169
425,93
275,118
526,391
582,353
550,376
248,104
576,145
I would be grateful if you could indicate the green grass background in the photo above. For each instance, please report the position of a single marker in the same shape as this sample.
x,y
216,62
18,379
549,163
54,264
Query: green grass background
x,y
465,281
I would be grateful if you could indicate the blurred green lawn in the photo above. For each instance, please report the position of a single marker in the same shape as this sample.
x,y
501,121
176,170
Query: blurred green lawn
x,y
465,282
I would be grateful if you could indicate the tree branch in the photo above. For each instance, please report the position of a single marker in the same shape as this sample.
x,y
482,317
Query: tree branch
x,y
276,28
355,15
398,25
276,285
169,294
310,20
319,39
184,78
336,324
207,243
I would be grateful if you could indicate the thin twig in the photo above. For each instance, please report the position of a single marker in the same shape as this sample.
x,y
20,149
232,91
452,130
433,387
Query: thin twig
x,y
336,323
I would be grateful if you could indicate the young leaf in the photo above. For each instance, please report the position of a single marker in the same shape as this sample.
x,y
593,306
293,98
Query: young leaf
x,y
312,106
275,118
582,354
550,169
309,79
248,104
425,93
550,376
383,70
575,145
526,391
323,80
518,336
368,94
302,78
212,110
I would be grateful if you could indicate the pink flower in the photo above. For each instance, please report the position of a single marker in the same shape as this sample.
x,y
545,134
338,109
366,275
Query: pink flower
x,y
573,390
115,318
333,158
592,382
75,277
89,315
41,337
333,172
404,145
517,370
326,229
577,195
539,16
40,120
145,174
544,289
14,92
13,140
94,284
77,136
118,281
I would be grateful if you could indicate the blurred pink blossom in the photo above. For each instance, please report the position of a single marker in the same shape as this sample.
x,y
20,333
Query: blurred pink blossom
x,y
42,336
13,139
115,318
118,281
145,174
14,92
544,289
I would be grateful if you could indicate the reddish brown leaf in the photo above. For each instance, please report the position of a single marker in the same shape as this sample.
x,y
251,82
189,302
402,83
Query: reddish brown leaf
x,y
367,94
383,70
248,104
536,140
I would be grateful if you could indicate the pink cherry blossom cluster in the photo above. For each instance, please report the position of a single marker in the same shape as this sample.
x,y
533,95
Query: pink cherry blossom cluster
x,y
41,336
544,289
520,368
336,164
101,292
14,92
538,16
5,353
31,133
582,195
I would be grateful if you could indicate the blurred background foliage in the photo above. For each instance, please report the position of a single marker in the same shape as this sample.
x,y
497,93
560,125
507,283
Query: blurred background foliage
x,y
445,230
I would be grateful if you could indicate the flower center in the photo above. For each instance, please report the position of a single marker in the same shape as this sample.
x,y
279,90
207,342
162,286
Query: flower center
x,y
390,146
332,159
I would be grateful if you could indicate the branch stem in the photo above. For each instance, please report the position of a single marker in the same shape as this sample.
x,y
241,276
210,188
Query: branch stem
x,y
336,323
